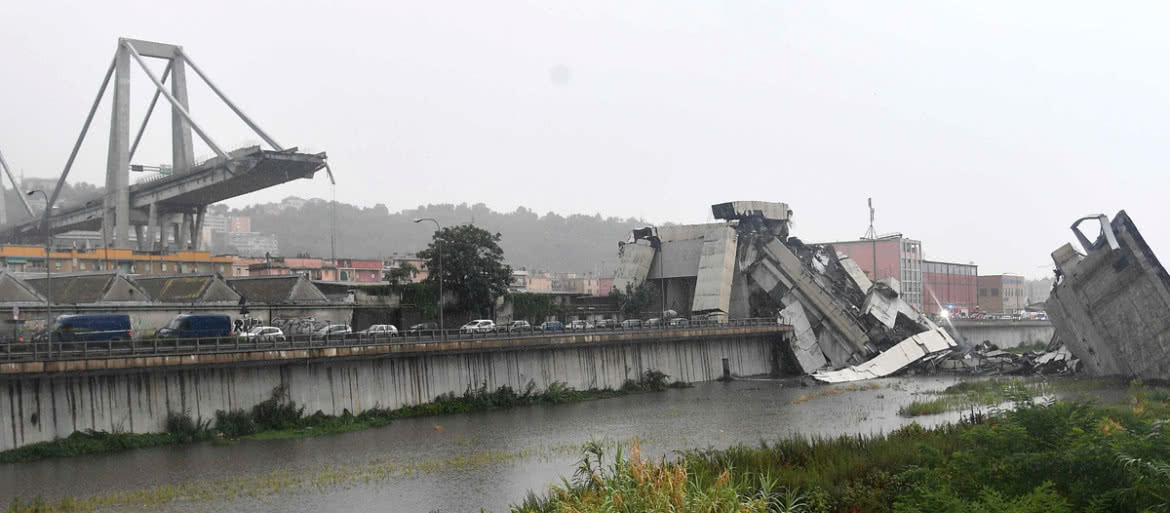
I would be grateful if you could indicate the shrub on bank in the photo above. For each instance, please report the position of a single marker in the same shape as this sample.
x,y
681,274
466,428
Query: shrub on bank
x,y
1044,458
280,417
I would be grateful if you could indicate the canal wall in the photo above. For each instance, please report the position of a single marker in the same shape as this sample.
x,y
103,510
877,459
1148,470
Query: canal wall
x,y
135,396
1004,334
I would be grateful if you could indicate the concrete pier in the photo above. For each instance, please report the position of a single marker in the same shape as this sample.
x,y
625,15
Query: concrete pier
x,y
1004,334
41,405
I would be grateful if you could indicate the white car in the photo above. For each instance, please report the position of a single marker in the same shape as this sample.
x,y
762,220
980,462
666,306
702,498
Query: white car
x,y
381,330
479,326
263,334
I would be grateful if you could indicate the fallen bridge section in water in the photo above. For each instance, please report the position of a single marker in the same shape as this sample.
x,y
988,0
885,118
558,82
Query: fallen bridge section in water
x,y
42,401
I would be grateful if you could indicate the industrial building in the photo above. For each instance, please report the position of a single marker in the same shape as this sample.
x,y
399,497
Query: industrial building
x,y
1002,293
898,257
950,286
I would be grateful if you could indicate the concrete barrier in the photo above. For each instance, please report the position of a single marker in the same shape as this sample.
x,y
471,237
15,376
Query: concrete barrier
x,y
1002,333
42,402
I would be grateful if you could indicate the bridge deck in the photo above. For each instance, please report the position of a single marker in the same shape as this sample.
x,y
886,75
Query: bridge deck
x,y
249,170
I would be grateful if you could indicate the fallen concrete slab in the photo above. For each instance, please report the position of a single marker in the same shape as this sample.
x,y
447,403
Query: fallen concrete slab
x,y
913,349
1111,305
803,342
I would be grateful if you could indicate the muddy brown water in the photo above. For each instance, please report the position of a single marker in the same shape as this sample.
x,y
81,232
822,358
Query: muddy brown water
x,y
465,462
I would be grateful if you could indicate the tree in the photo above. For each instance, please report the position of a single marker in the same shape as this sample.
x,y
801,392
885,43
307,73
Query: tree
x,y
472,266
633,301
401,275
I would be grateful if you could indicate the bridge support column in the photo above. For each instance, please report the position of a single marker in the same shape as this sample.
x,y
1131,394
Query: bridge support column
x,y
151,222
184,231
197,230
139,236
117,201
182,152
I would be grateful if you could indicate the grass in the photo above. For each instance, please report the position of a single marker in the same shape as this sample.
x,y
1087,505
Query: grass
x,y
1049,457
836,390
280,418
970,395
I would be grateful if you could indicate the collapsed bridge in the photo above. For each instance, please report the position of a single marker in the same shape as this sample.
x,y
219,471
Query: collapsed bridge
x,y
846,327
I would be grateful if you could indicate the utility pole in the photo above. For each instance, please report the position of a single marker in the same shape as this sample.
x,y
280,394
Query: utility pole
x,y
872,235
48,272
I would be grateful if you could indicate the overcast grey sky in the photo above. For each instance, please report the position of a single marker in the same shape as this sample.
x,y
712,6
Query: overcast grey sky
x,y
983,129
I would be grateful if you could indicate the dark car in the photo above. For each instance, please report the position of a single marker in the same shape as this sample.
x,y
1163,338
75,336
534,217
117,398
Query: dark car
x,y
552,326
197,326
92,327
423,328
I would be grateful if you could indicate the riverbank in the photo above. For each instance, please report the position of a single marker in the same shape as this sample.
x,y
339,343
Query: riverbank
x,y
977,394
1059,457
281,418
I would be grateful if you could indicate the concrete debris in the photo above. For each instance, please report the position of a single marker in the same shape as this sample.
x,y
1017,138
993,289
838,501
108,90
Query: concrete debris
x,y
1111,305
916,348
749,266
988,359
804,341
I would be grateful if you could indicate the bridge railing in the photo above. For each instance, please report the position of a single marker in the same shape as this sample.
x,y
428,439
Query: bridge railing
x,y
41,350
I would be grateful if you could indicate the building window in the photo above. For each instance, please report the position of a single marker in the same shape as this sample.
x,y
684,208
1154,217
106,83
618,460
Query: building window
x,y
995,291
164,266
146,267
81,266
58,265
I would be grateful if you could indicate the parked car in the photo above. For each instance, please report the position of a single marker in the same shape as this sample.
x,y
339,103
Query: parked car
x,y
519,327
580,325
552,326
631,323
91,328
263,334
197,326
478,326
332,331
606,324
423,328
679,322
380,330
652,322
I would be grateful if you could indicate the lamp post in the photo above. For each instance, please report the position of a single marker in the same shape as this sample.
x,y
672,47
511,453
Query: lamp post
x,y
48,271
439,248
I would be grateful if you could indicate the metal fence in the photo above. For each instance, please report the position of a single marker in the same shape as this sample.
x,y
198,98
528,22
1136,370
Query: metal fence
x,y
68,350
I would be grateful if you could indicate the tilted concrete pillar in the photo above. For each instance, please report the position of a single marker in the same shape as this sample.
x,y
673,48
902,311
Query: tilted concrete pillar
x,y
117,199
151,222
197,236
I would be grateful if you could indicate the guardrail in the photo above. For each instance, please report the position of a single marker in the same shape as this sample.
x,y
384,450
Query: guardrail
x,y
68,350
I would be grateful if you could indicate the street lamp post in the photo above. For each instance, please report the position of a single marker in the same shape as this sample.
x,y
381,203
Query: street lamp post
x,y
48,272
439,248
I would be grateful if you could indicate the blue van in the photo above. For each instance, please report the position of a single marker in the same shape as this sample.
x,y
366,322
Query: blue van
x,y
197,325
92,327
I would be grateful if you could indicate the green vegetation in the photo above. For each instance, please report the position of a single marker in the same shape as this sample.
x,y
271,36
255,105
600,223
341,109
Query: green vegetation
x,y
533,306
1059,457
634,300
976,394
281,418
1028,348
472,266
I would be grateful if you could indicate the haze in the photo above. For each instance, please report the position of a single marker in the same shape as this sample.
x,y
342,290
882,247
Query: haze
x,y
983,130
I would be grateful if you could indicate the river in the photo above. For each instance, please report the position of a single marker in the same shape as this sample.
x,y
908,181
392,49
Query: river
x,y
463,462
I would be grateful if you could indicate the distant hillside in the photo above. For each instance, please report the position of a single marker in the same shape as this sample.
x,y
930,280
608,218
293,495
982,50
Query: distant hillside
x,y
576,243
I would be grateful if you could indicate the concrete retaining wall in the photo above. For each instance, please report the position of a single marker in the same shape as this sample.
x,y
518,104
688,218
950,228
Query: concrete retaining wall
x,y
1004,334
41,407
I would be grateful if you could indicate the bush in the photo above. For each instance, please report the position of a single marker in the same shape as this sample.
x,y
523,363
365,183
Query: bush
x,y
186,429
235,423
278,412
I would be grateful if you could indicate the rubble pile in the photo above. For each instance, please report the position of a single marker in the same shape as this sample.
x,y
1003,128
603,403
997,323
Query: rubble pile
x,y
989,359
846,328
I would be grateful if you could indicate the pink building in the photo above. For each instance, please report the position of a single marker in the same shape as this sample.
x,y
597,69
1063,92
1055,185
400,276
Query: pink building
x,y
364,271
